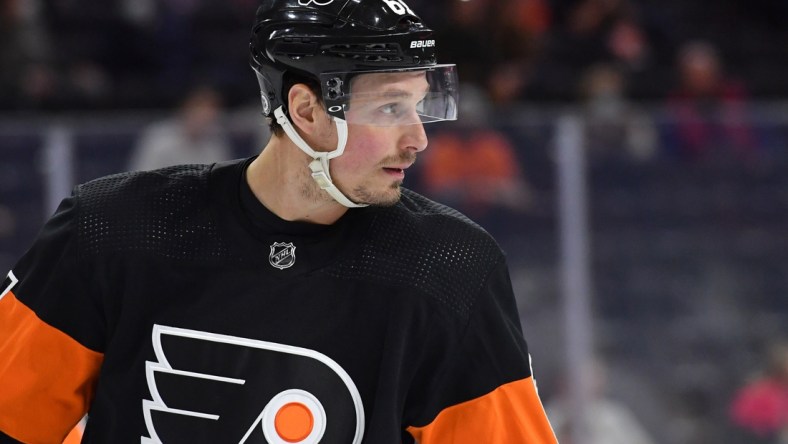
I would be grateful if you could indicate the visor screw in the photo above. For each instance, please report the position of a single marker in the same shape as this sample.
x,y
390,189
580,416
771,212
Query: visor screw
x,y
334,87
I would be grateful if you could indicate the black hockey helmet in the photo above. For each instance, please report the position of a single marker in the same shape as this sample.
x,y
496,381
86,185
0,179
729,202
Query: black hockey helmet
x,y
331,41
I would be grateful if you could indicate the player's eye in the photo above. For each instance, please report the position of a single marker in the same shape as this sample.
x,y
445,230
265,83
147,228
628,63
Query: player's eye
x,y
391,109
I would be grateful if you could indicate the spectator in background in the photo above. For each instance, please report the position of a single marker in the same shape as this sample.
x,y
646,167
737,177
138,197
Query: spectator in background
x,y
194,136
628,44
608,421
616,130
517,37
588,32
709,109
496,43
474,167
465,39
26,78
761,407
197,39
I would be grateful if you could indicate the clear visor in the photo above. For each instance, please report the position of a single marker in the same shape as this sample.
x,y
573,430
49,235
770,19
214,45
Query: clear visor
x,y
394,97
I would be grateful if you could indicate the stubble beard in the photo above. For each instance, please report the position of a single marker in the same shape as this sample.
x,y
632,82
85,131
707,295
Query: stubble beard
x,y
361,194
390,196
386,198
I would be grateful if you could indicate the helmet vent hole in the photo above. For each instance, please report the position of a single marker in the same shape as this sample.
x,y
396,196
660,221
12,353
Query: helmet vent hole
x,y
407,23
371,52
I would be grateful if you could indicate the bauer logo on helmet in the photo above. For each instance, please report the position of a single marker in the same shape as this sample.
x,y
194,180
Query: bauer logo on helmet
x,y
422,44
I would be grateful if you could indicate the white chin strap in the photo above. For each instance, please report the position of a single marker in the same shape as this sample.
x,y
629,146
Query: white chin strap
x,y
319,164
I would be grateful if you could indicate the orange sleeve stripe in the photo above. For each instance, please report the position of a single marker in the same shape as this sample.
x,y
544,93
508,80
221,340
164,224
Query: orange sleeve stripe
x,y
75,436
46,377
510,414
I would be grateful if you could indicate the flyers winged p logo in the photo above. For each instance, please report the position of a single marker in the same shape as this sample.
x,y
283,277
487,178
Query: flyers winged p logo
x,y
207,387
8,284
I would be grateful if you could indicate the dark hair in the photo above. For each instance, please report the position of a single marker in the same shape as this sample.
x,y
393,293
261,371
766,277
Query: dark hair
x,y
289,80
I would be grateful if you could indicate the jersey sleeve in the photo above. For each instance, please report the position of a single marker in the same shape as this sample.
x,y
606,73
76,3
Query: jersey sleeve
x,y
50,336
484,390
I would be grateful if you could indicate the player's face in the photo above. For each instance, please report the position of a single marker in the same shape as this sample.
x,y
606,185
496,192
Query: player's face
x,y
376,157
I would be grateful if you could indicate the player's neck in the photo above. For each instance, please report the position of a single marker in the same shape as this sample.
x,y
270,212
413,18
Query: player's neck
x,y
279,178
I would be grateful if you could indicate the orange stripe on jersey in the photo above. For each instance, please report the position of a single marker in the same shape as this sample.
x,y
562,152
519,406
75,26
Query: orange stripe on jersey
x,y
75,437
510,414
46,377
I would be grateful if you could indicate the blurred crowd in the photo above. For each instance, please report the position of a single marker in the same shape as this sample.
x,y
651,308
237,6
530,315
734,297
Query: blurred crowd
x,y
63,55
611,56
66,54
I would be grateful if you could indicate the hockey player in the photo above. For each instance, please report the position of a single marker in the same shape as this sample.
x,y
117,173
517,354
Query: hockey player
x,y
300,296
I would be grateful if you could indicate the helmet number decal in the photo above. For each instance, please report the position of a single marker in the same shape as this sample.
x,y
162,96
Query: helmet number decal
x,y
399,7
317,2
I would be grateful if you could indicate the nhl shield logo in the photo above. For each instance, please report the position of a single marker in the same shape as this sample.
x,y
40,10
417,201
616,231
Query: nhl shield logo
x,y
282,255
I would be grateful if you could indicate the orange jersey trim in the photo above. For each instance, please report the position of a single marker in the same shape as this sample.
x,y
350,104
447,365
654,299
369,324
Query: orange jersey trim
x,y
47,378
510,414
75,436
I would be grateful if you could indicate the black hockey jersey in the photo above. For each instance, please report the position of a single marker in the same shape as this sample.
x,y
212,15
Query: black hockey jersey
x,y
172,307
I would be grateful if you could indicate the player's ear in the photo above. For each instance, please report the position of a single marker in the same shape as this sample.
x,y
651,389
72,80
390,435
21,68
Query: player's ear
x,y
306,111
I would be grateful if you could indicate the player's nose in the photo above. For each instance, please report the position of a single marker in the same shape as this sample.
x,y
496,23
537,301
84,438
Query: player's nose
x,y
415,137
